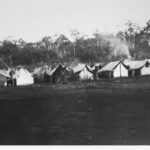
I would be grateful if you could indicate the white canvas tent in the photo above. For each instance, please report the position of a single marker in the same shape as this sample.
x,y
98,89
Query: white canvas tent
x,y
142,66
41,72
115,69
84,74
23,77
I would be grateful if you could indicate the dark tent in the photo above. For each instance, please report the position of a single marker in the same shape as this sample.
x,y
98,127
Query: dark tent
x,y
59,74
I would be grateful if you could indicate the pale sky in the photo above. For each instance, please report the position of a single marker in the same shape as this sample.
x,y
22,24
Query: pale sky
x,y
33,19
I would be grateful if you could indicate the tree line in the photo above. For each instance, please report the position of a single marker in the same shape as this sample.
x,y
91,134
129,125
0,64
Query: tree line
x,y
133,42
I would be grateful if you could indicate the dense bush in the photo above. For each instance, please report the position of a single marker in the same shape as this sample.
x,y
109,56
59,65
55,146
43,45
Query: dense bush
x,y
134,42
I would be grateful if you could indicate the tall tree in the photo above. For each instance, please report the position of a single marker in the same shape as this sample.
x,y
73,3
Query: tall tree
x,y
75,34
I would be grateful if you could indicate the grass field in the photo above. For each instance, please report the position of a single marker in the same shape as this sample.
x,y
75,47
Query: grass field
x,y
42,115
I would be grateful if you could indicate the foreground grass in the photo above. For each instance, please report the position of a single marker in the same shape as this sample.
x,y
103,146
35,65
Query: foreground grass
x,y
41,115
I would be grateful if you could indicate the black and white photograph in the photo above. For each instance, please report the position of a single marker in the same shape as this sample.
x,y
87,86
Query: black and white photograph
x,y
74,72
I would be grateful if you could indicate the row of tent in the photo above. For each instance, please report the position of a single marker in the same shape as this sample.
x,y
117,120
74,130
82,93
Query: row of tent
x,y
61,73
17,77
125,68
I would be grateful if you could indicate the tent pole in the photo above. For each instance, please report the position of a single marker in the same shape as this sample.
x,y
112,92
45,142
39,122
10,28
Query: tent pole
x,y
120,70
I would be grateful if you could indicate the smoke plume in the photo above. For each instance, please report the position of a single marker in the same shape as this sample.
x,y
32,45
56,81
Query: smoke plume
x,y
119,47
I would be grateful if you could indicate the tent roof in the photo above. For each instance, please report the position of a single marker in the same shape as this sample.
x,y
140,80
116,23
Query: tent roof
x,y
21,71
135,64
42,69
110,66
36,70
54,69
78,68
5,73
49,69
